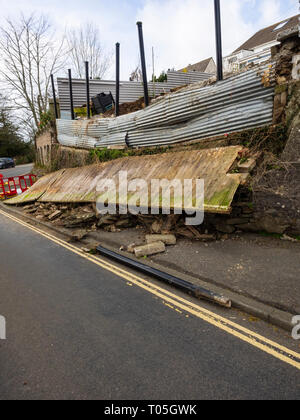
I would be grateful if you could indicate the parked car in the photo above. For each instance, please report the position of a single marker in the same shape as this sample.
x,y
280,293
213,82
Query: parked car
x,y
3,164
7,163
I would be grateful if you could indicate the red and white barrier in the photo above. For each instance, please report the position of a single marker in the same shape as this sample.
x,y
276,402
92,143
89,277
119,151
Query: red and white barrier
x,y
10,187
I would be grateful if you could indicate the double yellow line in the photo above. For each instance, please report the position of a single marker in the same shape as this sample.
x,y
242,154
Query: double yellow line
x,y
178,303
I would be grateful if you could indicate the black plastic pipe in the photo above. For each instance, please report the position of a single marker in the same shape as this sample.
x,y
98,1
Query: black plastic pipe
x,y
219,40
143,62
196,291
71,94
87,76
54,97
117,80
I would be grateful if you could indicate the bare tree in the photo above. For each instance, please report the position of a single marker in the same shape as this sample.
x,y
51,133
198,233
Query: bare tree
x,y
30,54
85,45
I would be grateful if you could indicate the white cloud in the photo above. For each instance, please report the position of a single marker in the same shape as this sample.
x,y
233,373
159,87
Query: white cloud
x,y
183,32
269,11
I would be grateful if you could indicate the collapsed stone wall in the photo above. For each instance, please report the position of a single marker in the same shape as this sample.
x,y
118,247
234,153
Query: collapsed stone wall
x,y
276,194
291,152
271,202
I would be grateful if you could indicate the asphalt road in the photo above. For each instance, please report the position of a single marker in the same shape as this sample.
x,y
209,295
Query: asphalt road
x,y
17,171
77,331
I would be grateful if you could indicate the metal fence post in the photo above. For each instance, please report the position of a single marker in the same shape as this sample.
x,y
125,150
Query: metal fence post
x,y
88,105
143,62
219,40
71,94
54,97
117,79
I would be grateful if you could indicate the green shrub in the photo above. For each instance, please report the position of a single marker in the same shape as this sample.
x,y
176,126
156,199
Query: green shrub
x,y
106,155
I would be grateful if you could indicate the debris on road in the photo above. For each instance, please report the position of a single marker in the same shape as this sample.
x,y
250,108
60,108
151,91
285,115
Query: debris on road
x,y
165,228
54,215
78,235
288,238
131,248
150,249
166,239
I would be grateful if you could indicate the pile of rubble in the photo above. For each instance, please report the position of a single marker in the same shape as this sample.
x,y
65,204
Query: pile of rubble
x,y
159,229
74,216
155,244
127,108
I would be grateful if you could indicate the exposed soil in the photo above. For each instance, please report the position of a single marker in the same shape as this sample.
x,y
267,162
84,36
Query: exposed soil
x,y
127,108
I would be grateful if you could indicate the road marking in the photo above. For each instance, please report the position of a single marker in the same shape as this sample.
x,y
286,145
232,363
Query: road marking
x,y
173,301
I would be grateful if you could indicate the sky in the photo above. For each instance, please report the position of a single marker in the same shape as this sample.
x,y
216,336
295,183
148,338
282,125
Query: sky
x,y
180,31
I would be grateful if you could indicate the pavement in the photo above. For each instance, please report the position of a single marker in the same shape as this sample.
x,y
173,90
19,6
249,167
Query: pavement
x,y
78,330
265,269
17,171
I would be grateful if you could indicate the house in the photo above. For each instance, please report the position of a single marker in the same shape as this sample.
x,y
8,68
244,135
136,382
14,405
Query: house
x,y
258,48
204,66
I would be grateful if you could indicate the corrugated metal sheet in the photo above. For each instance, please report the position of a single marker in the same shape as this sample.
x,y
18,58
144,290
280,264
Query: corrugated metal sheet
x,y
240,102
84,184
129,91
176,78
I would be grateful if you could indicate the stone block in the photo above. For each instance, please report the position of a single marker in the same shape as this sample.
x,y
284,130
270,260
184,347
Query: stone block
x,y
150,249
166,239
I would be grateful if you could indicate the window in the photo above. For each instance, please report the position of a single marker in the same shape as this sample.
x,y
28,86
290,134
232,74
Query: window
x,y
281,25
232,60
